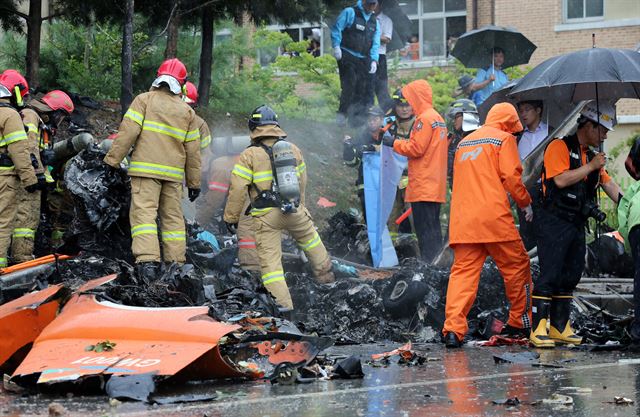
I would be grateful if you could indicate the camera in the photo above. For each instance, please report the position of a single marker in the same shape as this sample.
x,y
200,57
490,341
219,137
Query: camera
x,y
590,209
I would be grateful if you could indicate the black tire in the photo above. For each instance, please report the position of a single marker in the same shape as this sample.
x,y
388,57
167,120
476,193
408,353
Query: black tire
x,y
401,296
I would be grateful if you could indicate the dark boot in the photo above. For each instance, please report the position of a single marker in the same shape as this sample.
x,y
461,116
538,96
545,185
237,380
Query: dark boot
x,y
560,330
148,271
451,341
514,332
539,337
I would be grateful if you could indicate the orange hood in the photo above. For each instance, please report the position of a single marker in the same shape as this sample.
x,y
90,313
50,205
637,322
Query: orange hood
x,y
418,94
503,116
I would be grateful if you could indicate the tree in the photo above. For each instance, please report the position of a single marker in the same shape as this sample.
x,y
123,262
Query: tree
x,y
206,56
126,96
261,12
171,49
12,19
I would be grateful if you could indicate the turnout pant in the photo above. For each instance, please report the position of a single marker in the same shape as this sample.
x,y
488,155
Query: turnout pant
x,y
426,220
150,199
356,88
382,84
25,225
269,229
513,263
9,188
247,252
634,242
561,250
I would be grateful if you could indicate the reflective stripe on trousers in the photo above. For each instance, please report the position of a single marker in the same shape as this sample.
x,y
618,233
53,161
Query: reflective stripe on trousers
x,y
170,235
24,233
144,229
272,277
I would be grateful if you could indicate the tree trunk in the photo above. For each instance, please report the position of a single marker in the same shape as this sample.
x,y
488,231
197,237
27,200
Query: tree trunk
x,y
171,50
206,57
126,94
34,26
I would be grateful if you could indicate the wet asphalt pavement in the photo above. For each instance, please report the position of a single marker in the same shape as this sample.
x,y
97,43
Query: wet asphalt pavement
x,y
461,382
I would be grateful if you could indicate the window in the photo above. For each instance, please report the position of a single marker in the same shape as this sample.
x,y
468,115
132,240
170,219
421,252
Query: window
x,y
583,10
409,7
436,26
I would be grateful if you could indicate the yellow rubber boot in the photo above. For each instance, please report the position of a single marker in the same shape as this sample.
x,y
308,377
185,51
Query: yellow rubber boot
x,y
560,330
539,337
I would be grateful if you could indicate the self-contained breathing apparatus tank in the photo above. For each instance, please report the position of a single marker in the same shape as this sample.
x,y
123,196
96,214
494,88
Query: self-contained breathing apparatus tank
x,y
66,149
288,186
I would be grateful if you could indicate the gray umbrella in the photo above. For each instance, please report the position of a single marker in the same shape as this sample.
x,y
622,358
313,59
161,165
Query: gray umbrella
x,y
594,73
473,48
554,111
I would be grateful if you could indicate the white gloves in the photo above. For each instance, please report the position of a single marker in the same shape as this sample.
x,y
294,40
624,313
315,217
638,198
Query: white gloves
x,y
528,213
374,67
337,53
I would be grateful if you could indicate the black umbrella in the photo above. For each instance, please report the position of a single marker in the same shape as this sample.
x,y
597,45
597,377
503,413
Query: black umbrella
x,y
589,74
553,113
401,24
473,48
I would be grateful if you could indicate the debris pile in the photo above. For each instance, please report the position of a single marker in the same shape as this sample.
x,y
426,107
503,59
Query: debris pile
x,y
346,237
101,198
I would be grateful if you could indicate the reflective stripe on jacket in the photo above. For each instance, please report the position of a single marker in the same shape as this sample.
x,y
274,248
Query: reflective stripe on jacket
x,y
13,141
205,132
32,122
164,134
254,167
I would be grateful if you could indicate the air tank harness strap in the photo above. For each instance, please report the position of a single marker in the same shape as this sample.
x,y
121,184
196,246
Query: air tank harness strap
x,y
266,198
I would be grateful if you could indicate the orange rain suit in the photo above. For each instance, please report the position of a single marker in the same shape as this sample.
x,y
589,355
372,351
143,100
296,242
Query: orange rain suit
x,y
426,148
487,167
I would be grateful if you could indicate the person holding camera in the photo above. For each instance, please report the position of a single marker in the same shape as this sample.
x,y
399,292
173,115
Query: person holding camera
x,y
571,175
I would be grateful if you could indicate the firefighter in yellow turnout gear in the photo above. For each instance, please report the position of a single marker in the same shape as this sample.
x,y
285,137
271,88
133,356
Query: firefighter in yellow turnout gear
x,y
51,109
28,214
16,169
166,151
275,206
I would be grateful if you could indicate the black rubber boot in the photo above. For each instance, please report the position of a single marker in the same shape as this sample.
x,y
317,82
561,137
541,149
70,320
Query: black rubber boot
x,y
560,330
539,337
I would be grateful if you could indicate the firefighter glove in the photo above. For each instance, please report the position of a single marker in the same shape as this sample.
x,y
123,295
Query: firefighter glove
x,y
193,194
232,227
337,53
388,139
32,188
373,68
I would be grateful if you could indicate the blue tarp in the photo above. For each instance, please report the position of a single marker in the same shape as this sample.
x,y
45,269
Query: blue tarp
x,y
379,198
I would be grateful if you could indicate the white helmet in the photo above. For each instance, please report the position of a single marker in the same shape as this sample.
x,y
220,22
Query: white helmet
x,y
172,83
4,92
606,111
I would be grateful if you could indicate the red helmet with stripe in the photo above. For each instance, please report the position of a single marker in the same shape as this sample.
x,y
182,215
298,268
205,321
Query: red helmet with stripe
x,y
175,68
191,93
58,100
17,85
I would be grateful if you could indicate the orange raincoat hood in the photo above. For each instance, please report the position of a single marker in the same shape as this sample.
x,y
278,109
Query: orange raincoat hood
x,y
503,116
419,94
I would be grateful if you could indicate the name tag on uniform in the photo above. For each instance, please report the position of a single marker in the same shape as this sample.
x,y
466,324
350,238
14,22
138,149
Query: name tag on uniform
x,y
359,27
